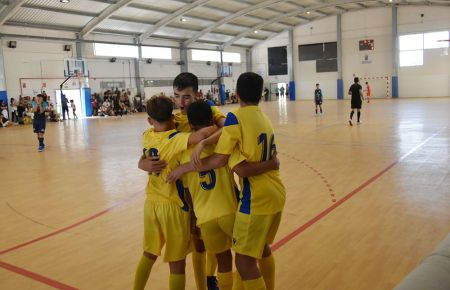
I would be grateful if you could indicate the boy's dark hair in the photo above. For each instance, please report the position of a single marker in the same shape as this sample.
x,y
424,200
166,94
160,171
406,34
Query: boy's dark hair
x,y
356,80
317,84
249,87
200,114
160,108
367,83
186,80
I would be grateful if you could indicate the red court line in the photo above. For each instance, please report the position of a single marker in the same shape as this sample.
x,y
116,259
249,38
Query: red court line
x,y
56,232
318,217
321,215
36,277
71,226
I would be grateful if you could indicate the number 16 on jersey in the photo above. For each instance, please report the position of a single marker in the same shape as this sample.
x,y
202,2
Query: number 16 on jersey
x,y
267,154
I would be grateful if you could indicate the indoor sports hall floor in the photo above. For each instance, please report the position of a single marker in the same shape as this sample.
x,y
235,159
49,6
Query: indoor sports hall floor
x,y
364,205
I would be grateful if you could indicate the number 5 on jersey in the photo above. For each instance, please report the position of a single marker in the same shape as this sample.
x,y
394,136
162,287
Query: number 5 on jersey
x,y
210,176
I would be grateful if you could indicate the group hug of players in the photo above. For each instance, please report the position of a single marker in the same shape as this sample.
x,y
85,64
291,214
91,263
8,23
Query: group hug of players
x,y
193,204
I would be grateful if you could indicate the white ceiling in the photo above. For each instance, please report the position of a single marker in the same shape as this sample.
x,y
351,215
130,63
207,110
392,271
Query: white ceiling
x,y
207,21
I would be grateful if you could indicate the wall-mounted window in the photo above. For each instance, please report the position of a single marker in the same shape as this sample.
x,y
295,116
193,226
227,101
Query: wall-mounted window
x,y
411,42
103,49
231,57
411,50
205,55
156,52
411,58
212,55
412,46
436,39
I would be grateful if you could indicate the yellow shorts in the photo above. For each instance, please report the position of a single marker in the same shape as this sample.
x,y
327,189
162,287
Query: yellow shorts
x,y
252,232
217,233
166,223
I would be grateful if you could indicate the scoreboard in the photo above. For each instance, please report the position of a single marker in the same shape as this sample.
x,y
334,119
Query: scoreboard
x,y
367,44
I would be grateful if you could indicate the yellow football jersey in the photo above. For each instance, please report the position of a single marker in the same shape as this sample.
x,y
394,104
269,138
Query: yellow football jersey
x,y
213,192
249,131
167,146
182,122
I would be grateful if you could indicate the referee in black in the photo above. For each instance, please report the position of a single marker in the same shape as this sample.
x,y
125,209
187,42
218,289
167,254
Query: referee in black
x,y
357,97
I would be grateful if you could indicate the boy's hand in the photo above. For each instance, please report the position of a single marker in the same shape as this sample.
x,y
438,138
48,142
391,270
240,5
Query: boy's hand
x,y
195,157
153,164
175,174
275,162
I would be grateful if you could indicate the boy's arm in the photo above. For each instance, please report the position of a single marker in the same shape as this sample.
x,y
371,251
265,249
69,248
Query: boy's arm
x,y
247,169
213,139
220,122
151,164
211,162
197,136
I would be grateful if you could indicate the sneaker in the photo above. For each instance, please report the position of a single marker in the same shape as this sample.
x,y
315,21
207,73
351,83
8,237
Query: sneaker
x,y
359,122
350,122
211,282
41,148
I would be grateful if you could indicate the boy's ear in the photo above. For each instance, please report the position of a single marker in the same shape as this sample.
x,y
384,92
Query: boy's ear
x,y
150,121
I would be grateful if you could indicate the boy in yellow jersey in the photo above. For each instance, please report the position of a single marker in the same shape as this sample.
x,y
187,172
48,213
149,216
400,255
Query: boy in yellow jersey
x,y
214,200
166,214
185,88
249,131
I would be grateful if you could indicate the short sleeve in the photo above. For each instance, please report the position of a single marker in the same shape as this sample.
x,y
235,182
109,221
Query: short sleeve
x,y
217,114
230,137
236,158
178,142
146,138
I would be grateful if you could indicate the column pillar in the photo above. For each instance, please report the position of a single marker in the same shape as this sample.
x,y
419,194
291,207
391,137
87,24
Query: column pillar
x,y
137,71
395,61
85,91
184,67
3,92
290,63
340,81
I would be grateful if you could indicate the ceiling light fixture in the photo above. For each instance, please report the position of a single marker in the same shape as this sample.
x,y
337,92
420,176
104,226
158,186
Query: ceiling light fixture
x,y
64,1
256,31
308,12
182,19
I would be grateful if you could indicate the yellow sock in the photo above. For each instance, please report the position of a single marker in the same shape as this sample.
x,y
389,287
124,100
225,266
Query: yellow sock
x,y
177,281
267,268
225,280
255,284
211,264
142,272
198,262
237,281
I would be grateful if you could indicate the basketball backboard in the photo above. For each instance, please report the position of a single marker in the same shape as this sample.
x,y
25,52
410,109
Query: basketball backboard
x,y
75,67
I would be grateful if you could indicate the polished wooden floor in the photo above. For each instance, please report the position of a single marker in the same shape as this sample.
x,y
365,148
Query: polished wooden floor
x,y
365,203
